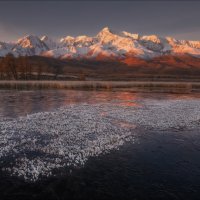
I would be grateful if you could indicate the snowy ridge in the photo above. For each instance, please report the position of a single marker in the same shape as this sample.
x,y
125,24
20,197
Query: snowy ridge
x,y
105,44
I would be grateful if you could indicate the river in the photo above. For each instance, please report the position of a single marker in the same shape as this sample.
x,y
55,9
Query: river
x,y
58,144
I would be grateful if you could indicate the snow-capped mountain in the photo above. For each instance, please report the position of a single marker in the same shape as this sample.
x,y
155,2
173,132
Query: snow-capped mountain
x,y
51,44
105,45
29,45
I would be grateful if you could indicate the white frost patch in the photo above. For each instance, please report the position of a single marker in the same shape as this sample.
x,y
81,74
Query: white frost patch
x,y
39,143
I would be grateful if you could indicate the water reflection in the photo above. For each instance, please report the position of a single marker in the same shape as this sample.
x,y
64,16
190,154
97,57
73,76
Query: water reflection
x,y
159,166
15,103
20,103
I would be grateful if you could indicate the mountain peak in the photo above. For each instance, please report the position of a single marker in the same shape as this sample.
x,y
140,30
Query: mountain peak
x,y
153,38
48,41
134,36
29,37
28,41
44,38
105,42
29,45
67,39
105,31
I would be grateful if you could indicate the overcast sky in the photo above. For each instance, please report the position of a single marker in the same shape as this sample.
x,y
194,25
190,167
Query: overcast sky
x,y
57,19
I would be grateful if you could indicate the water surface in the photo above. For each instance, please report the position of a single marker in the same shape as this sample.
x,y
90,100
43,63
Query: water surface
x,y
15,103
162,163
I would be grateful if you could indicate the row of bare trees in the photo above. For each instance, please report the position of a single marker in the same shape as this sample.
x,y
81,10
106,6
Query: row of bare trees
x,y
21,68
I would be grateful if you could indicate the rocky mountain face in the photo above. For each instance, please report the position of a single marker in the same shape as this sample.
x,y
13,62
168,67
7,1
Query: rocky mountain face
x,y
105,45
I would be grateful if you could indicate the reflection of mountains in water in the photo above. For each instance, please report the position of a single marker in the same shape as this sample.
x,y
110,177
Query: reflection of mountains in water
x,y
15,103
76,132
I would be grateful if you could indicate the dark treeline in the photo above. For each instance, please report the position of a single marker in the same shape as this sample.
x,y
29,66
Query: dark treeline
x,y
44,68
21,68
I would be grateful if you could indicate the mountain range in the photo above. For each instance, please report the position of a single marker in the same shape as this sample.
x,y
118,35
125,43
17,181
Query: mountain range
x,y
106,45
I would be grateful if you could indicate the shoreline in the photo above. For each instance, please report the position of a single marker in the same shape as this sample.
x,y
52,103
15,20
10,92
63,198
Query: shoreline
x,y
137,86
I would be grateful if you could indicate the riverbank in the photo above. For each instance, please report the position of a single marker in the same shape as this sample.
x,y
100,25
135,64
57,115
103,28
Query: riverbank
x,y
141,86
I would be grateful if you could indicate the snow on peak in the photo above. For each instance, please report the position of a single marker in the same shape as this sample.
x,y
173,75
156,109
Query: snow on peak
x,y
131,35
67,41
51,44
67,38
29,45
152,38
105,32
44,38
105,43
28,41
